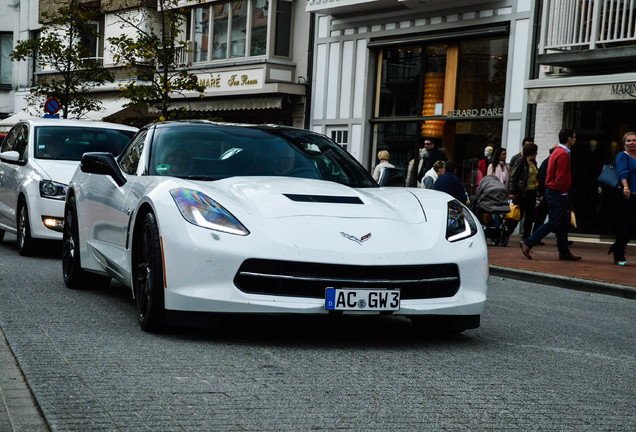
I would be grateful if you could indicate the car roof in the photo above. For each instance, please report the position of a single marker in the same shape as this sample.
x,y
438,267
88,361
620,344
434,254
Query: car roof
x,y
76,123
185,123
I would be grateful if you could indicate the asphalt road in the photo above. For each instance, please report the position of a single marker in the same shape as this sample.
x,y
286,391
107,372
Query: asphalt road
x,y
544,359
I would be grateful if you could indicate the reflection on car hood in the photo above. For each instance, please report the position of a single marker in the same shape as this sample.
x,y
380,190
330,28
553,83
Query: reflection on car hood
x,y
278,197
57,170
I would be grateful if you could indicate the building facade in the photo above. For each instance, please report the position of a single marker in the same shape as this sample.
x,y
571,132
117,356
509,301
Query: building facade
x,y
19,21
388,74
586,80
251,56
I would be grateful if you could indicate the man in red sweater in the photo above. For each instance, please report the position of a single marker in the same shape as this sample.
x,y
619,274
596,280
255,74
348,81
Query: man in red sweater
x,y
557,182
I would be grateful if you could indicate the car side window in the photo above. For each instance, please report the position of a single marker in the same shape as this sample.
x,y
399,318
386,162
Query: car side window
x,y
9,140
21,141
129,160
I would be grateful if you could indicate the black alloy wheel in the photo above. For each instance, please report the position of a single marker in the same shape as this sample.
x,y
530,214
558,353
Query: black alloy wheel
x,y
74,276
25,242
148,276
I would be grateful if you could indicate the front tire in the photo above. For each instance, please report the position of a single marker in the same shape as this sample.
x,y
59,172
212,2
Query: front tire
x,y
25,242
74,276
148,276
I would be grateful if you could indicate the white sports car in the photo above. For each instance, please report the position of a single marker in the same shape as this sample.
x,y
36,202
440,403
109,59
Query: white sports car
x,y
198,217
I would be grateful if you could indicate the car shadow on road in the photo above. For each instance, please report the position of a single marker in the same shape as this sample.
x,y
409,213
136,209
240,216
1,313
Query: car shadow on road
x,y
307,331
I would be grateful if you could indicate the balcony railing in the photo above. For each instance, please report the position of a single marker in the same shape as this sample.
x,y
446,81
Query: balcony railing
x,y
568,25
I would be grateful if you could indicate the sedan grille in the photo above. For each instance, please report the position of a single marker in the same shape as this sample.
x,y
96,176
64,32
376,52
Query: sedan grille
x,y
300,279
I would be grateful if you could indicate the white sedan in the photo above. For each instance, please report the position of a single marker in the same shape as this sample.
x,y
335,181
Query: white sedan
x,y
37,160
198,218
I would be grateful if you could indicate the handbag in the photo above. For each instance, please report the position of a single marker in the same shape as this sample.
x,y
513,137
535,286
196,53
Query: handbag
x,y
609,175
514,214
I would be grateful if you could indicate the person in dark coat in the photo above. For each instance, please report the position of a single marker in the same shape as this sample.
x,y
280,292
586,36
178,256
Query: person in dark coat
x,y
523,181
449,183
431,155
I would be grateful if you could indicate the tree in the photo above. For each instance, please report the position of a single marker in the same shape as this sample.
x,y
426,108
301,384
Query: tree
x,y
154,48
63,50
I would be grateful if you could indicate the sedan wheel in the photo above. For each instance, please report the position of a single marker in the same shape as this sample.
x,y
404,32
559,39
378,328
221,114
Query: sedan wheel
x,y
25,242
74,276
148,277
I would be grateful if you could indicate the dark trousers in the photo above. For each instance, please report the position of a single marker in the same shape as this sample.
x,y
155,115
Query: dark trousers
x,y
558,222
626,210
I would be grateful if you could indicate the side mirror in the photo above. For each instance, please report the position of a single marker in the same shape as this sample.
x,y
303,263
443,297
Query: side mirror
x,y
102,163
392,177
10,156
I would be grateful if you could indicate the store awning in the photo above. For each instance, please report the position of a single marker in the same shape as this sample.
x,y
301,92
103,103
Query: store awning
x,y
582,89
228,104
13,119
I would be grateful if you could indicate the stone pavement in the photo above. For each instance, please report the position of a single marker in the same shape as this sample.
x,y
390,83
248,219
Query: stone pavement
x,y
596,272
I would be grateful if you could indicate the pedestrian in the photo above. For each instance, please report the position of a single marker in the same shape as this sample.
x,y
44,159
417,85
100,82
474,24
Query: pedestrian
x,y
523,188
626,169
383,157
449,183
483,164
515,158
558,182
541,211
433,174
498,167
431,155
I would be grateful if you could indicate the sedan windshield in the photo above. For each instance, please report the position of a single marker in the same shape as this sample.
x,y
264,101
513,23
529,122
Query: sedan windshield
x,y
212,152
71,142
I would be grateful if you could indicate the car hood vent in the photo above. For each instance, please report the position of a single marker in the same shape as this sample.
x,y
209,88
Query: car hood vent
x,y
325,199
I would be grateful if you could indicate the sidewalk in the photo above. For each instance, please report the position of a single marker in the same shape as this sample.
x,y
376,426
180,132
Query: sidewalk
x,y
596,272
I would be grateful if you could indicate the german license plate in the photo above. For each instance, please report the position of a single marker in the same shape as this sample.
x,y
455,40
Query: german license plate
x,y
351,299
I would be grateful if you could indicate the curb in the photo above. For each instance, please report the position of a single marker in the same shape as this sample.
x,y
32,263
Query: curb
x,y
572,283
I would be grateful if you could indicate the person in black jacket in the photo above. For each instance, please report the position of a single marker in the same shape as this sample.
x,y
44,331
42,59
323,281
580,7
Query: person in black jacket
x,y
523,183
449,183
431,155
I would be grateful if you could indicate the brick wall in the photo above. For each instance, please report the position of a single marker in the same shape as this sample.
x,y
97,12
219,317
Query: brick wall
x,y
548,123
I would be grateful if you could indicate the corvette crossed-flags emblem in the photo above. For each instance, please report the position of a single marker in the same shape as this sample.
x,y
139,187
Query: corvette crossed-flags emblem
x,y
356,239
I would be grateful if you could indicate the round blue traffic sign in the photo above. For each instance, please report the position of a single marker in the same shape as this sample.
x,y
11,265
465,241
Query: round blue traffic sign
x,y
52,105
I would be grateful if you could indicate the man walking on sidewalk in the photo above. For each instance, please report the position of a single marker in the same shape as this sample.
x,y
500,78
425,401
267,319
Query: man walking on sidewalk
x,y
558,181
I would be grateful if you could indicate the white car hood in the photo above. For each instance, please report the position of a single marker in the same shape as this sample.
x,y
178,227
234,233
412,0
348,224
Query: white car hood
x,y
278,197
57,170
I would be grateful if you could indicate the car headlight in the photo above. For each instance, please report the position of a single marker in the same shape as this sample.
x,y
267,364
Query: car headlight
x,y
460,223
201,210
53,190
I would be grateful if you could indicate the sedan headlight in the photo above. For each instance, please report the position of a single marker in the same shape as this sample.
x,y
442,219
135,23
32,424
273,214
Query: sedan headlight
x,y
53,190
201,210
460,223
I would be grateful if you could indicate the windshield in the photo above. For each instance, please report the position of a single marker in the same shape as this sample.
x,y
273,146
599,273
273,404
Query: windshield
x,y
212,152
71,142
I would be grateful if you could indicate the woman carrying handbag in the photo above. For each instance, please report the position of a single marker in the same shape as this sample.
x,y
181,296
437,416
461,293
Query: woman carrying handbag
x,y
626,168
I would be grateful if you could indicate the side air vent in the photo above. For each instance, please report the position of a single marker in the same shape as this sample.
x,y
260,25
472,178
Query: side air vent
x,y
324,199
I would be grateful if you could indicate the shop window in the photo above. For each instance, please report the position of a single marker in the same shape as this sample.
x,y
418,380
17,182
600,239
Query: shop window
x,y
401,71
232,29
239,28
481,78
452,93
283,28
6,46
201,33
258,34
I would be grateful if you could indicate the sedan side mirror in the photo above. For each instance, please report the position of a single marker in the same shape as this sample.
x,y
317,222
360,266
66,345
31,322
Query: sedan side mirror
x,y
102,163
10,156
